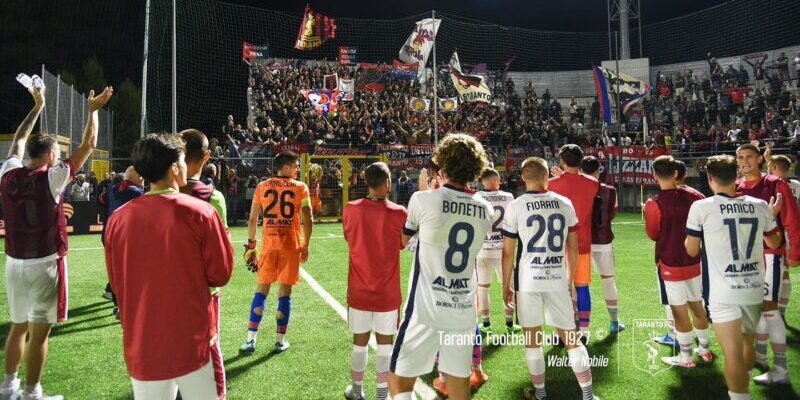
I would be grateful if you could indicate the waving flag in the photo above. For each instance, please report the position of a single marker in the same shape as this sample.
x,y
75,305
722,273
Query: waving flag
x,y
419,44
470,88
631,91
402,71
323,100
347,86
315,29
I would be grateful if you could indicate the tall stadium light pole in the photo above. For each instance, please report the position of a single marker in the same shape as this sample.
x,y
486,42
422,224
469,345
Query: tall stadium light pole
x,y
43,119
174,72
144,67
619,126
639,20
625,50
435,88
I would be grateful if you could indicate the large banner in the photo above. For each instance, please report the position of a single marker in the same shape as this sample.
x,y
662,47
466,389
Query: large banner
x,y
631,91
418,46
403,156
637,163
315,29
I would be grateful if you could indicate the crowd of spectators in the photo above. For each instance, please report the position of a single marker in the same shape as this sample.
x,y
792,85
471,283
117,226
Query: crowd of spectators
x,y
690,111
694,113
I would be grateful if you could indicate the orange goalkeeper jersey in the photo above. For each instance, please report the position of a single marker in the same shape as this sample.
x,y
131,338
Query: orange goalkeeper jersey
x,y
281,199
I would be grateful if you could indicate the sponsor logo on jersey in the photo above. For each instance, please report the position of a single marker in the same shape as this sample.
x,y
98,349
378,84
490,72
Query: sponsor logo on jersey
x,y
454,283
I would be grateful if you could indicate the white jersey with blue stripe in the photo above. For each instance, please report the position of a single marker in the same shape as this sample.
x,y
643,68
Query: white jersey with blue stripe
x,y
732,231
451,225
493,243
540,221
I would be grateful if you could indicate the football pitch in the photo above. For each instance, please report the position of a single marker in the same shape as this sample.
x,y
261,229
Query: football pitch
x,y
85,360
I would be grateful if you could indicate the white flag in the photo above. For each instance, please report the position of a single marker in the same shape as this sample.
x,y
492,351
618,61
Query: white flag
x,y
454,61
347,86
419,44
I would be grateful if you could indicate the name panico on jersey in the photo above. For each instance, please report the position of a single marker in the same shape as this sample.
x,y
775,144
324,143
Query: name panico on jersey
x,y
541,222
493,243
451,226
732,230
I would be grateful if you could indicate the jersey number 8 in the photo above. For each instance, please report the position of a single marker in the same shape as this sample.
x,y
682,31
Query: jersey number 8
x,y
454,247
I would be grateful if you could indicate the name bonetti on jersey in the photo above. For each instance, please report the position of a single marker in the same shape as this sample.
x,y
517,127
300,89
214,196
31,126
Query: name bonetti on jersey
x,y
465,209
455,283
748,267
543,205
737,208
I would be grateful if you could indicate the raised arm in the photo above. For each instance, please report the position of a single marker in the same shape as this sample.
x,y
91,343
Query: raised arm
x,y
89,142
21,136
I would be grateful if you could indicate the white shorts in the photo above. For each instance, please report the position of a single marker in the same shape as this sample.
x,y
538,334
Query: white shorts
x,y
557,305
417,345
678,293
486,266
776,264
749,314
196,385
383,323
32,289
603,259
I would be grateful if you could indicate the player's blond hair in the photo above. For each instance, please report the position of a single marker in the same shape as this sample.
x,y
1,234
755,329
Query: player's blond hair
x,y
534,169
783,162
461,158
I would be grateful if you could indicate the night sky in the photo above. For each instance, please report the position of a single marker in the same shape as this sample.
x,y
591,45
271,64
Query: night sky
x,y
62,34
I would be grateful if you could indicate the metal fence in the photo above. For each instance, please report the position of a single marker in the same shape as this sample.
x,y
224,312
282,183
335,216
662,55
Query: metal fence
x,y
65,114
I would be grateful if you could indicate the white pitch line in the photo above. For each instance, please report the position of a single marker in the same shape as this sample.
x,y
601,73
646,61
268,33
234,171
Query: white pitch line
x,y
422,390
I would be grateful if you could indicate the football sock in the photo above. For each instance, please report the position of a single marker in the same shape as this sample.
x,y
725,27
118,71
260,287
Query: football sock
x,y
10,378
579,361
259,302
777,339
610,292
358,363
702,337
685,341
762,337
509,318
670,321
786,294
382,359
477,350
584,307
284,310
404,396
484,303
739,396
536,367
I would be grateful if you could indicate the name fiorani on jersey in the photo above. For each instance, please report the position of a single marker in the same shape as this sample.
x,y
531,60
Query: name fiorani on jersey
x,y
732,231
493,243
451,226
540,222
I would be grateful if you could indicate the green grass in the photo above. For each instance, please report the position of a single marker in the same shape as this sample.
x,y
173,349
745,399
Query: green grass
x,y
86,352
